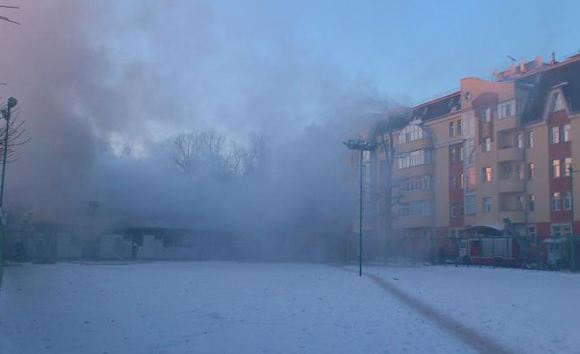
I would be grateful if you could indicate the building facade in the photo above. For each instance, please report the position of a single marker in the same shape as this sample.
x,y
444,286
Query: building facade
x,y
496,157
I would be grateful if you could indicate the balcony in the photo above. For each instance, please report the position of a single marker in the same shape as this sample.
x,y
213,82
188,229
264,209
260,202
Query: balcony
x,y
423,143
510,154
510,185
418,170
416,195
510,122
412,222
515,216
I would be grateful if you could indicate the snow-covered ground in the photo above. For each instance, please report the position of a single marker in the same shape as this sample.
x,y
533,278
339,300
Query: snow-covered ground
x,y
281,308
528,311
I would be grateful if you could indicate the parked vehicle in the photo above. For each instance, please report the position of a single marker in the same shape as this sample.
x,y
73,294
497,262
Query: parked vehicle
x,y
490,250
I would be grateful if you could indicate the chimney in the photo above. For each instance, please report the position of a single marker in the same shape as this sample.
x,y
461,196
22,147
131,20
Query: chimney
x,y
538,62
522,65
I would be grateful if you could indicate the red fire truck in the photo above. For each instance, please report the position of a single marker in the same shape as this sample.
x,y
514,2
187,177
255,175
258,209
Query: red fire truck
x,y
489,245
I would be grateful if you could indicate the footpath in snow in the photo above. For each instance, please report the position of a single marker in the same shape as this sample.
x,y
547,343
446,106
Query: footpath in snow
x,y
528,311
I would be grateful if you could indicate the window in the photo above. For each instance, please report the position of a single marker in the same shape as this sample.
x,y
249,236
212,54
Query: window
x,y
486,205
556,172
404,185
531,202
520,172
530,170
519,140
520,202
414,158
486,146
451,129
561,230
458,127
486,174
556,201
555,137
567,166
567,230
470,204
504,110
461,209
420,208
529,139
455,154
506,169
416,183
487,115
557,230
410,133
461,178
453,210
452,182
470,149
530,231
566,133
568,201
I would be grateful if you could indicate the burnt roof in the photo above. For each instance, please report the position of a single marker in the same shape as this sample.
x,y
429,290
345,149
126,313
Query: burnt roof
x,y
539,86
437,108
516,71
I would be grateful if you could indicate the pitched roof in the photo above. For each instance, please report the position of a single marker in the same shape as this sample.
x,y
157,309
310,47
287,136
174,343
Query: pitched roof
x,y
438,107
540,84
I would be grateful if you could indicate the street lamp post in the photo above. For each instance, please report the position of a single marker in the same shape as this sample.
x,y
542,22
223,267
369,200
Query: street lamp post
x,y
362,146
6,112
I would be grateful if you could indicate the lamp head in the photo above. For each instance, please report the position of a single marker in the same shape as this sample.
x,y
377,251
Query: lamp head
x,y
12,102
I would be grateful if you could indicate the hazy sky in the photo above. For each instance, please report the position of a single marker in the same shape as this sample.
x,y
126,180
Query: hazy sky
x,y
421,48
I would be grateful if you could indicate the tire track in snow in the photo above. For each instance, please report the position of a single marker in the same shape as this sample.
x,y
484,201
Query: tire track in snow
x,y
467,335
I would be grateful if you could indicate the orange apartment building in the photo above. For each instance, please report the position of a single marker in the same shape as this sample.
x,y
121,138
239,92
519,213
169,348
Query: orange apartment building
x,y
495,158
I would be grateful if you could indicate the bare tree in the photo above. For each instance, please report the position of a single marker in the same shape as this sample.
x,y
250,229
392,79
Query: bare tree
x,y
235,159
383,135
208,153
257,154
184,152
7,19
204,152
17,136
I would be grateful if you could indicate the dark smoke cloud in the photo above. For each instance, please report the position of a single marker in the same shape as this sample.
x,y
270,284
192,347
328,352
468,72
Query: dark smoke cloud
x,y
104,85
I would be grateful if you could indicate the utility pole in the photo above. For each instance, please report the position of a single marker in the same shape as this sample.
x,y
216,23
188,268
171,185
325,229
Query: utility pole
x,y
573,236
362,146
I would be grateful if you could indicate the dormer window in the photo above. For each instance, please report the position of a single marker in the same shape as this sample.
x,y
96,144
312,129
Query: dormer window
x,y
554,101
557,101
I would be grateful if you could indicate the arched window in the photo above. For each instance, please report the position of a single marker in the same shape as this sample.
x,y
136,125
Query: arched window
x,y
410,133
